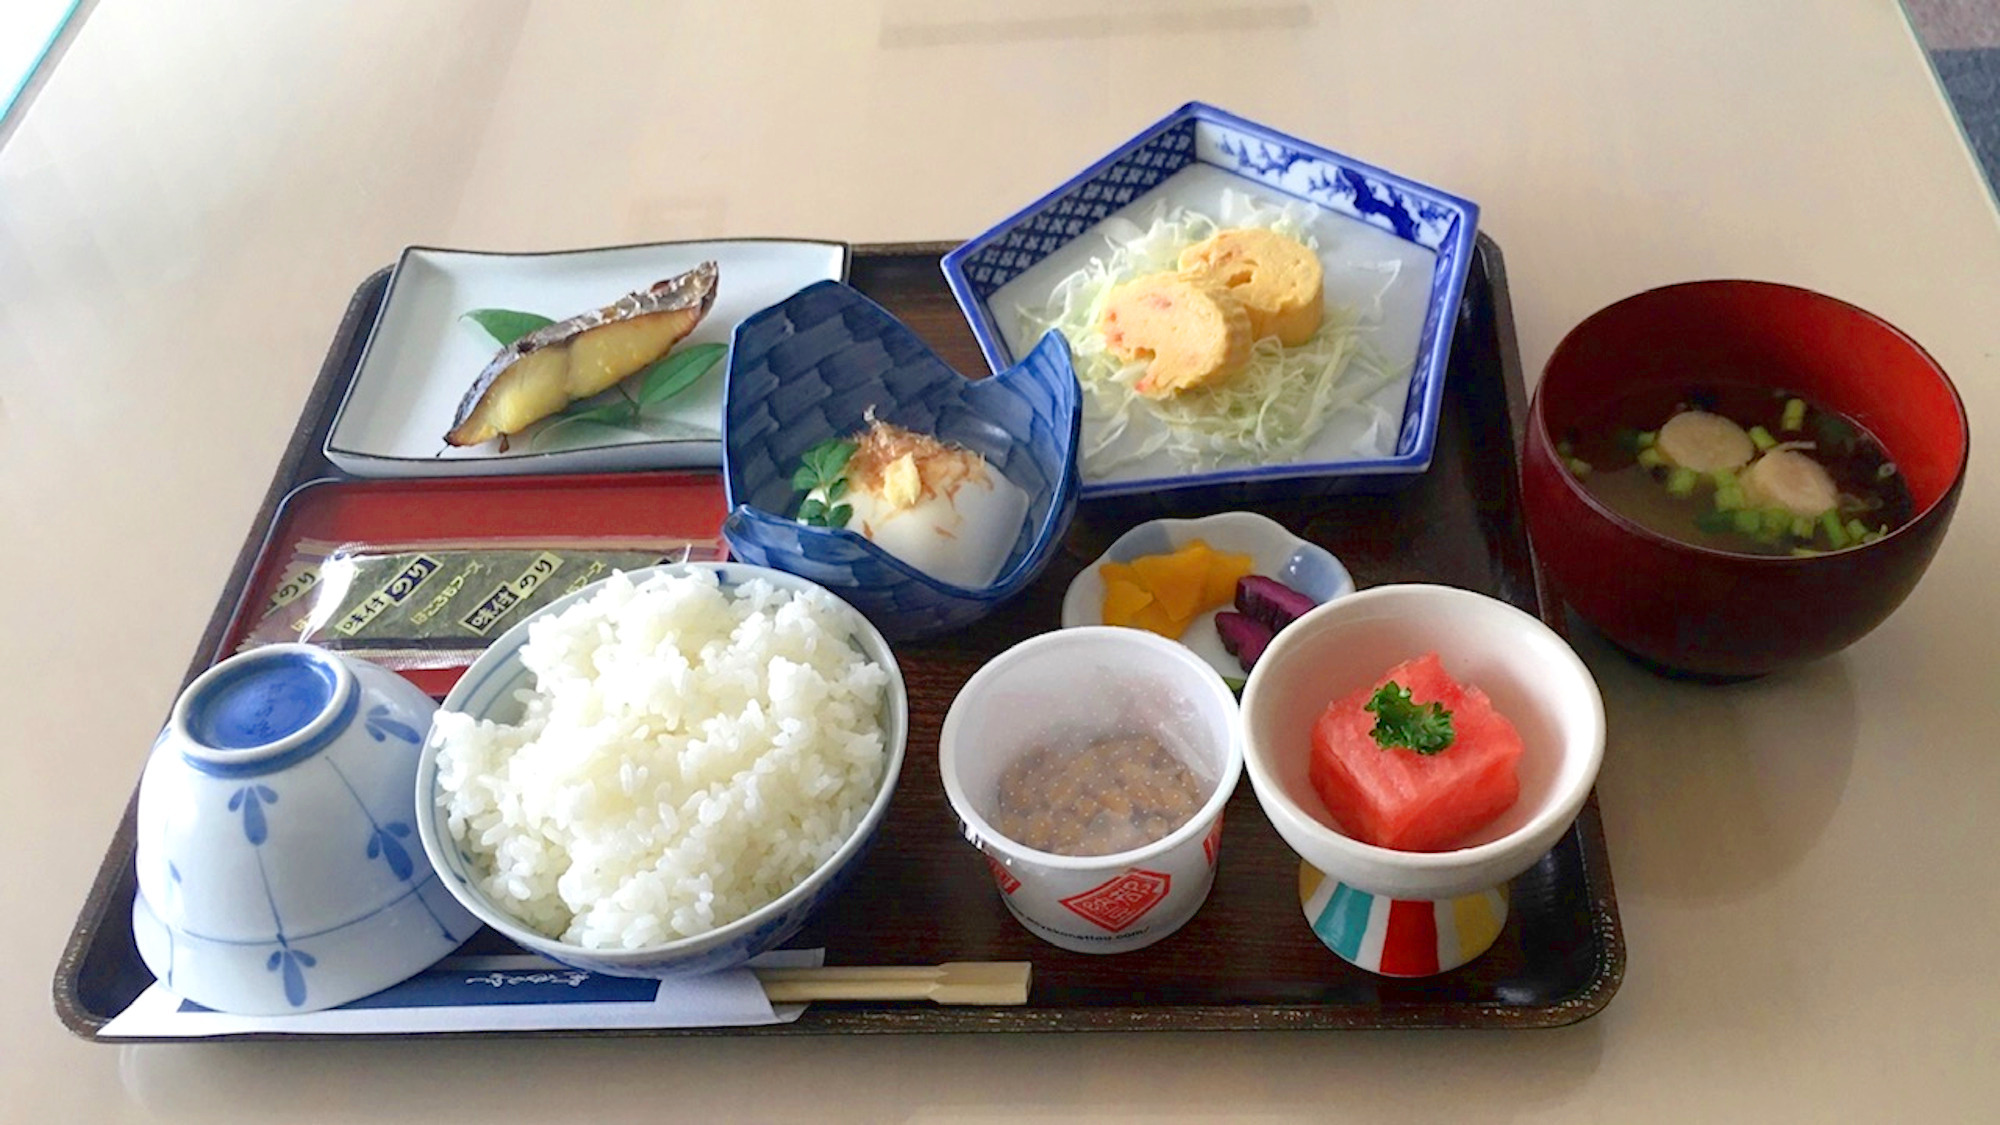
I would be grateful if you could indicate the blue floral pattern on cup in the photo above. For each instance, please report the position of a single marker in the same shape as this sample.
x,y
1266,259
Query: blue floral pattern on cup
x,y
382,725
386,843
332,900
250,800
293,963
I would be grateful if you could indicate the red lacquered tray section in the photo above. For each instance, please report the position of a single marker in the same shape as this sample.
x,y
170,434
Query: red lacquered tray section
x,y
525,509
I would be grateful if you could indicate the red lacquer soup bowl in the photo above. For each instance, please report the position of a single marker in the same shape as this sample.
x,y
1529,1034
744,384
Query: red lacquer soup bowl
x,y
1709,613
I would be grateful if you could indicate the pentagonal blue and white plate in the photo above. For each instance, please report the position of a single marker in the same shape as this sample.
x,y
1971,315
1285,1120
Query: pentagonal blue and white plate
x,y
1381,236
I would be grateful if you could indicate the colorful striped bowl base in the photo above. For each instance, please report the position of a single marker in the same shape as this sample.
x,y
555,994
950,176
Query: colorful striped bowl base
x,y
1400,937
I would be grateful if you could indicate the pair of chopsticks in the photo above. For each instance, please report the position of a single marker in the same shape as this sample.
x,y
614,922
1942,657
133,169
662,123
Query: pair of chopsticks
x,y
955,982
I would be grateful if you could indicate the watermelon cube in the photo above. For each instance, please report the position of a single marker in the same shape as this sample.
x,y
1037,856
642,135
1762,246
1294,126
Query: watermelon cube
x,y
1397,798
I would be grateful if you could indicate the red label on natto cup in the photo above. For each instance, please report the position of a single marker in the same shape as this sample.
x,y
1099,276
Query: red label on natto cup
x,y
1116,904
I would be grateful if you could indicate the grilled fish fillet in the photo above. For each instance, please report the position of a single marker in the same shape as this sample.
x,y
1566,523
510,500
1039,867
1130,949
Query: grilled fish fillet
x,y
549,368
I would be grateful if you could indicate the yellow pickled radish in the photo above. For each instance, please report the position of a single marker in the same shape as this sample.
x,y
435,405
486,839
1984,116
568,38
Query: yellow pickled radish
x,y
1155,619
1123,600
1164,593
1224,572
1174,580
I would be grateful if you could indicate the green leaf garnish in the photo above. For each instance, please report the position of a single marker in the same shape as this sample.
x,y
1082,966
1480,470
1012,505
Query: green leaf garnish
x,y
820,470
1402,722
610,414
657,382
669,376
507,325
612,420
830,458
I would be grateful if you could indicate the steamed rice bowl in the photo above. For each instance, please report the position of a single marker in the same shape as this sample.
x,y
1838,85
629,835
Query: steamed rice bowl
x,y
687,754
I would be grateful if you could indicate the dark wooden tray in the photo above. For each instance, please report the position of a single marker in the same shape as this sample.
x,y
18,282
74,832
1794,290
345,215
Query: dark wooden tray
x,y
1247,960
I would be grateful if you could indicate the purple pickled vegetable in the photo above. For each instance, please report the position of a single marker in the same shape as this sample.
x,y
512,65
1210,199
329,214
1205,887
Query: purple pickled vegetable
x,y
1244,637
1270,601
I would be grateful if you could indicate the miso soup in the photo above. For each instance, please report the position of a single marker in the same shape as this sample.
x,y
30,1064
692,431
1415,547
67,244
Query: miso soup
x,y
1740,468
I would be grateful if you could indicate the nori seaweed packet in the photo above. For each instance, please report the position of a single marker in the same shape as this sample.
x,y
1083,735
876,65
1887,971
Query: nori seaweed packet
x,y
439,604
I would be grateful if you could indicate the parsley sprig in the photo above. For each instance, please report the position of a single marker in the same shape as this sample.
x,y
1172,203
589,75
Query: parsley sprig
x,y
1401,721
822,470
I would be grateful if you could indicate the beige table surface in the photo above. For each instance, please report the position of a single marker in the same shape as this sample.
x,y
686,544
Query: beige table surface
x,y
1804,864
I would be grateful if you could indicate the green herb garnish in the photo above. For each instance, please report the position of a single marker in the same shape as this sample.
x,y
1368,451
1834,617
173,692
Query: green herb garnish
x,y
822,470
1400,721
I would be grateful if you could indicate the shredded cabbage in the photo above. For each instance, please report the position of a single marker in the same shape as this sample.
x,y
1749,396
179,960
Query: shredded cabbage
x,y
1269,413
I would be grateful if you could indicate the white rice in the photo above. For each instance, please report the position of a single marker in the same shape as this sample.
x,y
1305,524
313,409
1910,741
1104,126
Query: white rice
x,y
688,754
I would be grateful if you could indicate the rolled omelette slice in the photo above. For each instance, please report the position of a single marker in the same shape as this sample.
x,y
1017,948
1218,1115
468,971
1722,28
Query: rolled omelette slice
x,y
551,367
1278,280
1192,334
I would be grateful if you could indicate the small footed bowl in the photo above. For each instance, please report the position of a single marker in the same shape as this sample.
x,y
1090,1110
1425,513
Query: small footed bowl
x,y
811,368
277,866
1531,676
488,691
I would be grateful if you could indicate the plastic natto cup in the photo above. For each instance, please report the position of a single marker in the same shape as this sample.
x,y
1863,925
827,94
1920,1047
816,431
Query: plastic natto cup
x,y
1061,692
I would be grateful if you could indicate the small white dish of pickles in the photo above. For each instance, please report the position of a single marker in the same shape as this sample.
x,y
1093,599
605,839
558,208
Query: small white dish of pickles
x,y
1261,577
576,361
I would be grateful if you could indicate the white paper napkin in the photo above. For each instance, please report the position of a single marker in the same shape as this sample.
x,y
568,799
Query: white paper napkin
x,y
508,993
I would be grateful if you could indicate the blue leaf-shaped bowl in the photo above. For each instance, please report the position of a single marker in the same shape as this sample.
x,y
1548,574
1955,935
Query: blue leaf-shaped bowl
x,y
810,368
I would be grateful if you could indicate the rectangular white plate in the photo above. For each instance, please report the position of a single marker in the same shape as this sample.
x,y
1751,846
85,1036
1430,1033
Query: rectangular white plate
x,y
423,355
